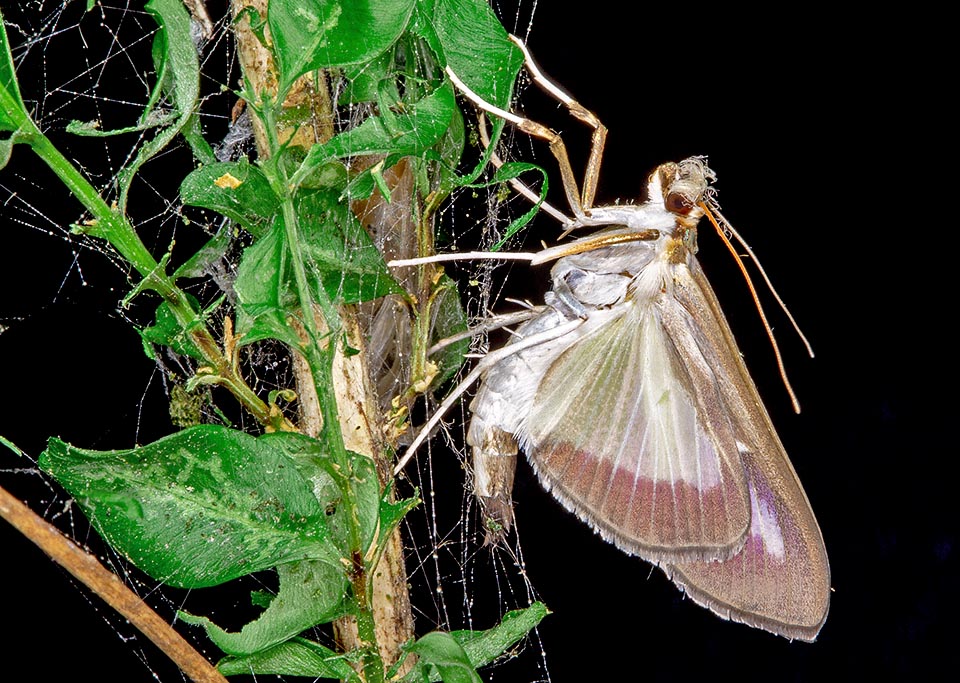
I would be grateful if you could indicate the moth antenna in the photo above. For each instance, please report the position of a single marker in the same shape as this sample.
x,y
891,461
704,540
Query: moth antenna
x,y
713,214
715,210
490,359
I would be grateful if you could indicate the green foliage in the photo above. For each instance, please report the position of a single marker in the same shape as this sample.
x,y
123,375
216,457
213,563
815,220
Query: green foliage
x,y
238,190
295,657
450,319
508,172
476,47
178,77
322,34
13,114
167,331
456,655
8,85
209,504
310,593
396,136
442,652
341,261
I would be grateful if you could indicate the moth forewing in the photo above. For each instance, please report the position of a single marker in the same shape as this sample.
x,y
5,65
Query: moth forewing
x,y
615,431
780,580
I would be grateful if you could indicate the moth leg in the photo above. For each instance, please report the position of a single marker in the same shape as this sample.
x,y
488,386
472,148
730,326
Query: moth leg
x,y
578,111
519,186
492,323
488,361
563,301
579,203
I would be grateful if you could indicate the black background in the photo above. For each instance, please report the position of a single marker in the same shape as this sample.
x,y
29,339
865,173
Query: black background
x,y
799,117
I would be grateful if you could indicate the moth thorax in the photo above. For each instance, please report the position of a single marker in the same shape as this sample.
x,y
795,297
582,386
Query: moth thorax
x,y
650,283
681,245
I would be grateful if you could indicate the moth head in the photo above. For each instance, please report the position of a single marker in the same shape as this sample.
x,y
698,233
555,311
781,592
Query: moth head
x,y
683,186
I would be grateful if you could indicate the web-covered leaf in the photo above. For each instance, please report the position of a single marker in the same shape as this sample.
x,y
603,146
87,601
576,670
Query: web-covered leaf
x,y
202,506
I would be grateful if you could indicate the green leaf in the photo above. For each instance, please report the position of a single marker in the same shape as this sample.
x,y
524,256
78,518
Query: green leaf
x,y
261,598
310,593
329,479
263,289
364,79
180,78
210,253
362,478
14,117
392,512
9,444
483,647
322,34
6,149
450,148
412,133
467,37
238,190
366,491
339,255
166,331
13,114
297,657
477,48
442,651
508,172
193,133
202,506
179,55
449,319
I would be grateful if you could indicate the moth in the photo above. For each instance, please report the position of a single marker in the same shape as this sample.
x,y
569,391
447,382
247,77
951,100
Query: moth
x,y
629,397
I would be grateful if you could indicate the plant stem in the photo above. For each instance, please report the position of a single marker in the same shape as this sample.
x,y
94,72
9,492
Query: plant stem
x,y
319,353
113,227
88,570
333,386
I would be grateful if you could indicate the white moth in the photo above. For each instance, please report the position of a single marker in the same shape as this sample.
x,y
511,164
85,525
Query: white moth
x,y
643,421
629,397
